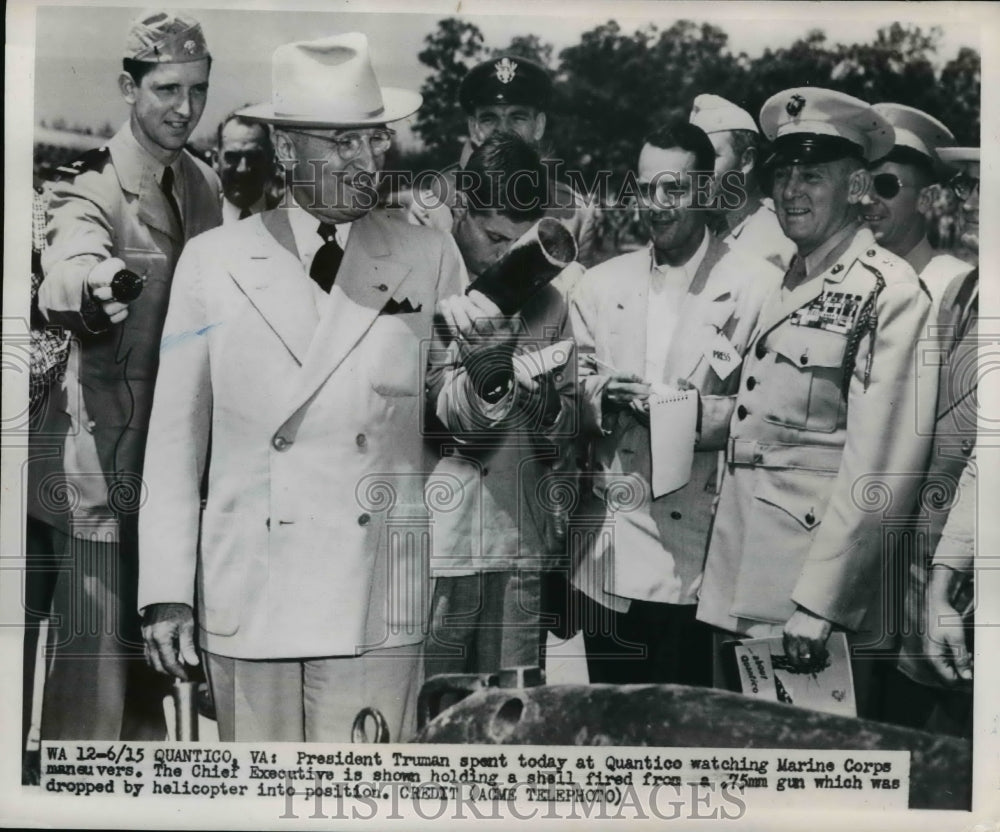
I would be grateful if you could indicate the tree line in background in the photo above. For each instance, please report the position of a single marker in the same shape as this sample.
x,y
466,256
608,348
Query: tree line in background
x,y
613,88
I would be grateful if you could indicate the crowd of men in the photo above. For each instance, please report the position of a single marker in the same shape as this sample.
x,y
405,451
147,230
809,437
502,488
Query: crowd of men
x,y
303,455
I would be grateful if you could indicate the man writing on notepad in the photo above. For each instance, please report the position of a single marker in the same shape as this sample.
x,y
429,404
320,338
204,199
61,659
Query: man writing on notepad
x,y
676,314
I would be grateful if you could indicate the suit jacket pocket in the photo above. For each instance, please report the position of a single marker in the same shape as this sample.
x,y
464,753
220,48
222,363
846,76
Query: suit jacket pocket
x,y
227,546
394,356
807,380
787,511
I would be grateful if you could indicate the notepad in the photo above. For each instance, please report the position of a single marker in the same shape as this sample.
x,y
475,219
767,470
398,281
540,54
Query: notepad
x,y
673,420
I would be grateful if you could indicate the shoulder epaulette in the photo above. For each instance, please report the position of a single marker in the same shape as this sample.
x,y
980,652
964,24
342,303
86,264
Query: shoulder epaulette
x,y
94,159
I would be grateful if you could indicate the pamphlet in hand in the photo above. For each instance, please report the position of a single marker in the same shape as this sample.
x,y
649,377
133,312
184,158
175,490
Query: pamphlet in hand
x,y
759,668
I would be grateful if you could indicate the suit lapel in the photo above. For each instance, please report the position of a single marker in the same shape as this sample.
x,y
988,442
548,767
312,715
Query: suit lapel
x,y
631,299
368,277
270,274
687,345
201,209
136,175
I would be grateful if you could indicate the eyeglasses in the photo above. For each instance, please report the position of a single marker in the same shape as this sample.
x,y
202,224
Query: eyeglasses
x,y
664,193
348,145
963,186
888,185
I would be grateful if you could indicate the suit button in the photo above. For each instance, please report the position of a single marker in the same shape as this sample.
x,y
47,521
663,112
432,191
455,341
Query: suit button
x,y
742,413
967,446
364,519
804,359
810,518
280,443
751,383
675,515
383,288
91,425
360,440
760,350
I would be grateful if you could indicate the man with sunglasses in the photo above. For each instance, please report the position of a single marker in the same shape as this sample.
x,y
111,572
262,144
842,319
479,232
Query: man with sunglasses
x,y
828,405
894,208
244,160
936,657
677,314
293,339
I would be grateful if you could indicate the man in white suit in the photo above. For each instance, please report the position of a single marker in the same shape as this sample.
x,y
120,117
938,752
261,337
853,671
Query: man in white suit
x,y
675,314
307,611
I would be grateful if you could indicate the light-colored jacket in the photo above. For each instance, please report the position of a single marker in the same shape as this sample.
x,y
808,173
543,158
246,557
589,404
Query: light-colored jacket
x,y
313,541
507,467
97,418
650,549
825,454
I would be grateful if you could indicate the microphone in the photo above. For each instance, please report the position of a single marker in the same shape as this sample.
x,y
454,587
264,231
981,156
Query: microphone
x,y
126,286
531,263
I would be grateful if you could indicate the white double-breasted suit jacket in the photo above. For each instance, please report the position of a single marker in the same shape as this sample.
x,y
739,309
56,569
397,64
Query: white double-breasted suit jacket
x,y
311,542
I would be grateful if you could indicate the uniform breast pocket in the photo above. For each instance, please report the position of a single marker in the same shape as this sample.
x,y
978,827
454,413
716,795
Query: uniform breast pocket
x,y
394,367
808,369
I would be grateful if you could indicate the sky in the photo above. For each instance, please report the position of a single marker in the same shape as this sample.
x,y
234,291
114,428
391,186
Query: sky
x,y
78,47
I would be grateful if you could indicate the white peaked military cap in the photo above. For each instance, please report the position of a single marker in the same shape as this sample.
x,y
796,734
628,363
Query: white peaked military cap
x,y
916,129
957,155
811,124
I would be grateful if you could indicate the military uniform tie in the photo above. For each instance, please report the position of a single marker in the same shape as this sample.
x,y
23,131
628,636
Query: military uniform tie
x,y
327,260
167,185
796,273
244,213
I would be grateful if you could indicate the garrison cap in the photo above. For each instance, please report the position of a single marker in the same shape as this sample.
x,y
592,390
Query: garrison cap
x,y
811,124
508,79
165,37
714,114
916,129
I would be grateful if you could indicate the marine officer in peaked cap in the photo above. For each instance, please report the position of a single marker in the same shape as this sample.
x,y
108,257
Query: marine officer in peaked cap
x,y
130,205
823,445
895,205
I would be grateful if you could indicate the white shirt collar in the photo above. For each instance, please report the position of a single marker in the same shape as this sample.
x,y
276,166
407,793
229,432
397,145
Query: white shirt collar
x,y
305,230
687,269
230,213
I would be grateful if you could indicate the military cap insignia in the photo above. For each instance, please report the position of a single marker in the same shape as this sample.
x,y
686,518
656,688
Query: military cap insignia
x,y
795,105
506,70
190,46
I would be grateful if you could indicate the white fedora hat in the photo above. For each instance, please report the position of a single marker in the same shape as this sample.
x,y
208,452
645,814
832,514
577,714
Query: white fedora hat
x,y
330,82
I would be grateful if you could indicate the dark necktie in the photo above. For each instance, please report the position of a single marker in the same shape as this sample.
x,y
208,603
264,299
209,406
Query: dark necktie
x,y
327,260
167,184
796,273
244,213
